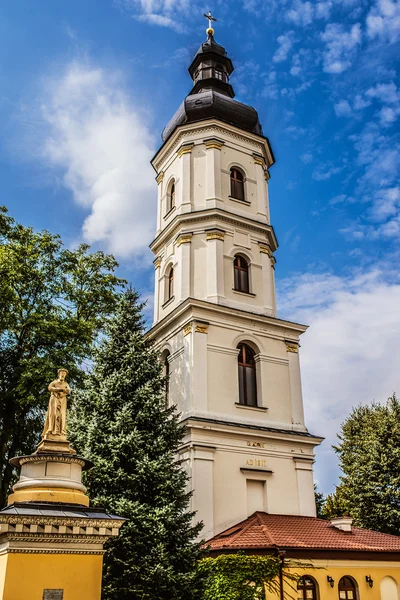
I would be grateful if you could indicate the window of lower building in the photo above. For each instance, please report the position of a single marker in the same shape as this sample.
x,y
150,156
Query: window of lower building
x,y
347,589
307,588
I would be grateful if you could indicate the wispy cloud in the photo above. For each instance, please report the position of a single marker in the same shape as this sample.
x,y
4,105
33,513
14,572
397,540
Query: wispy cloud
x,y
94,139
383,21
285,43
347,353
164,13
341,45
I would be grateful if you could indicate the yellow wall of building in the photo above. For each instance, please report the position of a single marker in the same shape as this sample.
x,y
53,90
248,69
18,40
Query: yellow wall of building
x,y
355,569
3,567
27,575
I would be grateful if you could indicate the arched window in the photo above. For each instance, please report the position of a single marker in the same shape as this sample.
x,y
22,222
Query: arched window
x,y
247,376
171,196
347,589
237,184
241,275
307,588
170,291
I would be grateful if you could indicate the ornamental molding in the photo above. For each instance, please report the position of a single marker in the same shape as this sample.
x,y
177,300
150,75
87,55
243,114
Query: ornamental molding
x,y
185,149
267,175
187,329
160,177
292,347
257,144
258,159
214,214
46,551
44,521
184,238
51,458
264,249
157,262
215,234
214,143
201,328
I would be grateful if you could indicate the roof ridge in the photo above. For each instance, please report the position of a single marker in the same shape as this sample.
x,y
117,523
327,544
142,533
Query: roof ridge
x,y
267,533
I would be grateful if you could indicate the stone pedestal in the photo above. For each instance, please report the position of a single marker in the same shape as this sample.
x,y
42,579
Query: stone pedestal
x,y
51,542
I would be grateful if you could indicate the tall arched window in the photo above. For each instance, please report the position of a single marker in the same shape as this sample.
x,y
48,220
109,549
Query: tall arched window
x,y
241,274
247,376
171,195
347,589
307,588
170,291
237,184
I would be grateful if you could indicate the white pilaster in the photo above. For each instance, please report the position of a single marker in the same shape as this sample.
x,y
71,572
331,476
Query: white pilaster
x,y
215,265
213,168
159,179
184,203
262,200
203,484
268,276
157,264
295,384
305,487
183,259
198,365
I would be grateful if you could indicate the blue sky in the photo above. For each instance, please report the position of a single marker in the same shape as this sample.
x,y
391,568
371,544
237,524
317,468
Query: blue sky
x,y
87,87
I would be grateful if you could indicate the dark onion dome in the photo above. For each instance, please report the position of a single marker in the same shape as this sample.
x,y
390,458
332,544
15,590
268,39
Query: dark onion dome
x,y
212,94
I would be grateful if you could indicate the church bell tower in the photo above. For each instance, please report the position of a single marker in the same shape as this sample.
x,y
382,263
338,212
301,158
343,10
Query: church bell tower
x,y
233,365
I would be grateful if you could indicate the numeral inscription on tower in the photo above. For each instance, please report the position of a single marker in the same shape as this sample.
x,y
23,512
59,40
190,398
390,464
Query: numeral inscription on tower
x,y
255,444
256,462
53,594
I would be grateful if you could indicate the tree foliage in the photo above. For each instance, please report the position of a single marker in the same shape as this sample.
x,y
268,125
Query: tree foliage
x,y
53,304
239,576
319,503
369,455
120,422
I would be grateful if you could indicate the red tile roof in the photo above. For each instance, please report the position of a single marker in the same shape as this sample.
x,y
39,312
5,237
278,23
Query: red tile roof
x,y
263,531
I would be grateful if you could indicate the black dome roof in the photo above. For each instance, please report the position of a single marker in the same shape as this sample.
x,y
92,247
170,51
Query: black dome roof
x,y
212,96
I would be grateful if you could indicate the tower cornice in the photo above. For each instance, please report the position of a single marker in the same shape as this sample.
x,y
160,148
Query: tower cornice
x,y
214,127
214,214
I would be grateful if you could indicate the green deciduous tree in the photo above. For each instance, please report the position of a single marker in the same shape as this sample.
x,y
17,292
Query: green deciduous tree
x,y
53,304
239,576
120,422
369,455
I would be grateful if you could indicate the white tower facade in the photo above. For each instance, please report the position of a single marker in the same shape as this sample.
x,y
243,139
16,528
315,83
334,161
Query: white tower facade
x,y
233,366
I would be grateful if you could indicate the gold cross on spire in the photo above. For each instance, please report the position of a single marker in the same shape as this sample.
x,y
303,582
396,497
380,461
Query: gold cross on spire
x,y
211,19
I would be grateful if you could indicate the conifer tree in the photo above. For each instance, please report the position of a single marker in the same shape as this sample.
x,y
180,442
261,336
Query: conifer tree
x,y
369,456
120,422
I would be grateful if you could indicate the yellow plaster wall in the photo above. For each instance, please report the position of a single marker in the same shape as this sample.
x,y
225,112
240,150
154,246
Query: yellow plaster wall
x,y
27,575
3,567
356,569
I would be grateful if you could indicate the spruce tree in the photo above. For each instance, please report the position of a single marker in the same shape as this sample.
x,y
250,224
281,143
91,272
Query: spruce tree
x,y
369,457
120,422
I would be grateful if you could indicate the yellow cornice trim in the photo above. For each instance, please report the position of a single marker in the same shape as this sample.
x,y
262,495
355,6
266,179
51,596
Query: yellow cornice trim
x,y
160,177
185,149
184,238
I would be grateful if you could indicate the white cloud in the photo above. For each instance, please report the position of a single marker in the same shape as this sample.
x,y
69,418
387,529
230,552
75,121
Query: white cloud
x,y
347,354
307,158
343,109
360,102
385,92
326,171
341,46
166,13
383,21
98,142
285,43
302,13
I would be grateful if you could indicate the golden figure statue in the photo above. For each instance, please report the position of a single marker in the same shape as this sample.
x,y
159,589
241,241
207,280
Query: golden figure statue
x,y
56,417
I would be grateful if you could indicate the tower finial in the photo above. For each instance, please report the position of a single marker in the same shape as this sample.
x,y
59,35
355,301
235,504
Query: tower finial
x,y
211,19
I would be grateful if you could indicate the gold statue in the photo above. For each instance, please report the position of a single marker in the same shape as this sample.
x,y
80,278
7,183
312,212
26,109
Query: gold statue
x,y
54,436
56,417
